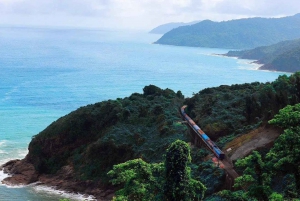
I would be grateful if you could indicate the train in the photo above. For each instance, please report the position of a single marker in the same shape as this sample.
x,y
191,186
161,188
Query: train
x,y
211,145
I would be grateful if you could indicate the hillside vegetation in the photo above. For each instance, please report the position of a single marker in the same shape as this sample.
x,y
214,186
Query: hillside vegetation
x,y
282,56
96,137
236,34
164,28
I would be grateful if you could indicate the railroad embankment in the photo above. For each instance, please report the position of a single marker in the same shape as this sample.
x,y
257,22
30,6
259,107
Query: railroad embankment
x,y
260,138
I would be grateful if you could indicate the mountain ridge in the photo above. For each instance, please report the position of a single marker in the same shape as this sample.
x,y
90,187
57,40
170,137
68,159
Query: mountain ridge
x,y
164,28
283,56
234,34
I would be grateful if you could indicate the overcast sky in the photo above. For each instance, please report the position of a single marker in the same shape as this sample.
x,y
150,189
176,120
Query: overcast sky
x,y
136,14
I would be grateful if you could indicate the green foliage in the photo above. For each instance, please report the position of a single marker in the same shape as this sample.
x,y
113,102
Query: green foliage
x,y
152,90
227,195
143,181
256,178
276,197
289,61
210,175
140,180
282,56
288,117
234,34
139,126
237,109
285,155
177,158
96,137
178,184
281,164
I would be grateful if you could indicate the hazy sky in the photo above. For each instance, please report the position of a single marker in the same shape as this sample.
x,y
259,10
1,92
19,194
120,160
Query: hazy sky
x,y
136,14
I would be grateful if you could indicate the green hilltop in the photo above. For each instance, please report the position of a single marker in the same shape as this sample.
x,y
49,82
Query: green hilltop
x,y
94,138
164,28
234,34
282,56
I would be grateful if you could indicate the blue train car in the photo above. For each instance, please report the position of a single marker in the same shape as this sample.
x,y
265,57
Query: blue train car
x,y
207,140
205,137
219,153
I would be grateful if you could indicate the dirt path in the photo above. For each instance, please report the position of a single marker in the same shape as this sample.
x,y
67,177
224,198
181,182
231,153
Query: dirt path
x,y
244,145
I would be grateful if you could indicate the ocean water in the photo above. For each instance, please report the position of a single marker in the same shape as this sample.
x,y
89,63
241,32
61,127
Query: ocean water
x,y
46,73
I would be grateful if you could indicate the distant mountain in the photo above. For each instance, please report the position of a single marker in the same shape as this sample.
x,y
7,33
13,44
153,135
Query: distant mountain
x,y
164,28
283,56
237,34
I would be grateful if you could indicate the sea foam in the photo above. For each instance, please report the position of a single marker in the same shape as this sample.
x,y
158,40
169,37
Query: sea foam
x,y
2,142
52,191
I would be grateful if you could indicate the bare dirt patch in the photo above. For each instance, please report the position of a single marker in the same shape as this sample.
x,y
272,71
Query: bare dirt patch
x,y
245,144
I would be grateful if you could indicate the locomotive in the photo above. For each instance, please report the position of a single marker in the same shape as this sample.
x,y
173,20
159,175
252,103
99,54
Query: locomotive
x,y
211,145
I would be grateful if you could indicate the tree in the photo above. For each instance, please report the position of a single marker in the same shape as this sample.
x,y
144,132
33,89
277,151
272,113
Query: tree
x,y
240,195
255,179
178,182
288,117
285,154
141,180
276,197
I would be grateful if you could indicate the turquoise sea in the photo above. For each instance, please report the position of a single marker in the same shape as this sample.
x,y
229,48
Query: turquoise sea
x,y
48,72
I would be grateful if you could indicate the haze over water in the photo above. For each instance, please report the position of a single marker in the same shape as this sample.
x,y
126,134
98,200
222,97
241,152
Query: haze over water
x,y
47,73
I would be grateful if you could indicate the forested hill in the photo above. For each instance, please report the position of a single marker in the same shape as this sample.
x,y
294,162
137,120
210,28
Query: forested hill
x,y
89,141
237,34
164,28
282,56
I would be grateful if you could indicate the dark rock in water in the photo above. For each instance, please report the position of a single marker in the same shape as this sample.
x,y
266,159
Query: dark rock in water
x,y
22,172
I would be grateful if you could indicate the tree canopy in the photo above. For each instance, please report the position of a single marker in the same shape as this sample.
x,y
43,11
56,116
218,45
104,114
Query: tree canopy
x,y
169,181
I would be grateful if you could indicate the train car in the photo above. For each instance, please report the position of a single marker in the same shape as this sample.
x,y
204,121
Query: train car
x,y
211,143
196,127
187,117
219,153
214,148
201,132
205,137
192,122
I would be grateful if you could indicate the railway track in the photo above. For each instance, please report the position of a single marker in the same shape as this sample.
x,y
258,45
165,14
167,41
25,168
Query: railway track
x,y
220,157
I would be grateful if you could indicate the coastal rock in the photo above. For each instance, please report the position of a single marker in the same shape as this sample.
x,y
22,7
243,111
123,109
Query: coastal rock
x,y
21,172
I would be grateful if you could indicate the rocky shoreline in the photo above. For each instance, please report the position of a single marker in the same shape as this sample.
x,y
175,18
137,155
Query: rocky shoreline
x,y
22,172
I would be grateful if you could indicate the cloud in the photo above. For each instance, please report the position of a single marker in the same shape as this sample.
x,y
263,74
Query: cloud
x,y
70,7
138,13
257,7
